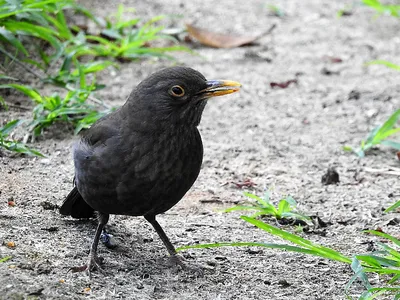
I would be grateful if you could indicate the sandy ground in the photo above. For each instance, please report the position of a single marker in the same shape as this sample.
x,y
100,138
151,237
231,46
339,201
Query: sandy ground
x,y
280,139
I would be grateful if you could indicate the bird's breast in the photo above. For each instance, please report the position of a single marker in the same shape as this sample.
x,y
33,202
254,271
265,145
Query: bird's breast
x,y
146,173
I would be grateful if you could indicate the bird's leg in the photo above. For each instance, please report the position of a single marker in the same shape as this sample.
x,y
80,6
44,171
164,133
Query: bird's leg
x,y
152,220
171,249
94,261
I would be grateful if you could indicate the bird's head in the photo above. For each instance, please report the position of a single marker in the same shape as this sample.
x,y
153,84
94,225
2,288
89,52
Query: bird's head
x,y
178,95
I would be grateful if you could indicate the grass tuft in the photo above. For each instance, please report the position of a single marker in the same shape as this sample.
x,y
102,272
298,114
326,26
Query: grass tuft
x,y
385,261
285,209
39,37
12,145
379,136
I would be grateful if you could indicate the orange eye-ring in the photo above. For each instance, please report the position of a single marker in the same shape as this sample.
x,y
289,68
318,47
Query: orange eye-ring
x,y
177,91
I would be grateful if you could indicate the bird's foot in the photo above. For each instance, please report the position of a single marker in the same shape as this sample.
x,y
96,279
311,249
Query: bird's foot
x,y
94,263
178,263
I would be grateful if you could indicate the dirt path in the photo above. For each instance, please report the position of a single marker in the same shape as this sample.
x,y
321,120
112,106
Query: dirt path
x,y
283,139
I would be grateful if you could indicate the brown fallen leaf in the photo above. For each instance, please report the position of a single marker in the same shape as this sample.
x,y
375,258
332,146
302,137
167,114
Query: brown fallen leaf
x,y
246,183
220,40
282,85
332,59
398,155
10,245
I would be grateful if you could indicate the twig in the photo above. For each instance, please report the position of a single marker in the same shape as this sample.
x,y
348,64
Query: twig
x,y
17,106
95,100
21,64
29,135
387,171
273,26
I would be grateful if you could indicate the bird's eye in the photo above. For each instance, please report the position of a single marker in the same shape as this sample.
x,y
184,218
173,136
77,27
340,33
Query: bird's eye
x,y
177,91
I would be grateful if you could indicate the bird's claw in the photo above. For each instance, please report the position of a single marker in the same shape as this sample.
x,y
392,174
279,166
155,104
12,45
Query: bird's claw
x,y
179,264
94,263
175,260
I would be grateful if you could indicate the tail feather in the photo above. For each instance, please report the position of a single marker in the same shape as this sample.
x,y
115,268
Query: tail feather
x,y
75,206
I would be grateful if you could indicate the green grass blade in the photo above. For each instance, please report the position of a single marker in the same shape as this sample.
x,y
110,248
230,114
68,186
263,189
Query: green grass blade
x,y
291,201
3,104
392,253
388,271
2,76
250,244
283,207
10,126
34,30
93,67
20,148
240,207
4,259
384,235
393,289
294,215
82,77
358,273
394,279
384,63
27,90
371,136
389,124
260,200
68,111
323,251
388,133
393,207
63,26
392,144
10,38
377,261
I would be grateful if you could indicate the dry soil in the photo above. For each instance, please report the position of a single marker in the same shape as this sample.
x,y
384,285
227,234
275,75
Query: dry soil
x,y
279,139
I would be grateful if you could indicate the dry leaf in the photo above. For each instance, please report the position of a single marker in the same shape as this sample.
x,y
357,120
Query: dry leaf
x,y
282,85
332,59
10,244
246,183
220,40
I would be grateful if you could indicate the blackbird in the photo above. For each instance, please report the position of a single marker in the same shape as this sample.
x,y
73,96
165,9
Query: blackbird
x,y
141,159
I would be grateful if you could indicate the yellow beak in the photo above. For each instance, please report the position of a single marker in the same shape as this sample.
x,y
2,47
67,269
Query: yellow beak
x,y
219,88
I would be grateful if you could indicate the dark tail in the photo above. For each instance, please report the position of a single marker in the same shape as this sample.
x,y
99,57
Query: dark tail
x,y
75,206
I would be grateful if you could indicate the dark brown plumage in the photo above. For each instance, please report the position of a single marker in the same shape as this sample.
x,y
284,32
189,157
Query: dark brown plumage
x,y
141,159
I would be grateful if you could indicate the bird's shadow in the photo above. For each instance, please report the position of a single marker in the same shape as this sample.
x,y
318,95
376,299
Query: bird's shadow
x,y
132,254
